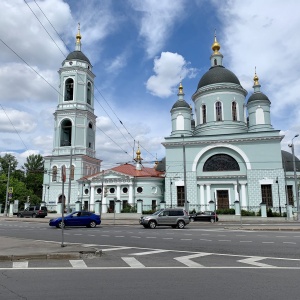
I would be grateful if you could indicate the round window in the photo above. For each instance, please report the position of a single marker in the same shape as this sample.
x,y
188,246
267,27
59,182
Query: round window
x,y
139,189
112,190
99,190
125,190
86,191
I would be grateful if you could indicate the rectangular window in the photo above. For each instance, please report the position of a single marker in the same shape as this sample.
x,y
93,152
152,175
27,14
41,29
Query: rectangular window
x,y
266,195
290,195
153,204
180,196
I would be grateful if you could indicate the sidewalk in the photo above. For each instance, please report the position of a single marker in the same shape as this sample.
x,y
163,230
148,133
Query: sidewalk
x,y
12,249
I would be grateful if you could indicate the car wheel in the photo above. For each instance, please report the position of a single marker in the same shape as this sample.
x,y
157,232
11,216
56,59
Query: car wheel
x,y
34,215
152,224
192,219
180,224
61,224
92,224
212,220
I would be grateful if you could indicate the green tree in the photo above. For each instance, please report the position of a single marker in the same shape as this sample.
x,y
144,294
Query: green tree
x,y
34,169
5,161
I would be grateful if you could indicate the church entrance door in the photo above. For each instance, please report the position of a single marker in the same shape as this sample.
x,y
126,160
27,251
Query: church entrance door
x,y
223,199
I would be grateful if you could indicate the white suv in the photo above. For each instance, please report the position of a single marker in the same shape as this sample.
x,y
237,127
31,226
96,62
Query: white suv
x,y
175,217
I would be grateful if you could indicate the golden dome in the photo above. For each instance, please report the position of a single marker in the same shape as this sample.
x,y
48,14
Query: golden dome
x,y
216,46
255,78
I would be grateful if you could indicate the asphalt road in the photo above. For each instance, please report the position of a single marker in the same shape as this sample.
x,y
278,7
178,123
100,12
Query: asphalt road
x,y
202,261
204,238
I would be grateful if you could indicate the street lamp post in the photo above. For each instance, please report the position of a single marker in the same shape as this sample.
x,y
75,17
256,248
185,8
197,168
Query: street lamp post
x,y
295,175
7,186
184,174
278,195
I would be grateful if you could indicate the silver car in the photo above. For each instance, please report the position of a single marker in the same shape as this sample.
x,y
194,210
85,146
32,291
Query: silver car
x,y
175,217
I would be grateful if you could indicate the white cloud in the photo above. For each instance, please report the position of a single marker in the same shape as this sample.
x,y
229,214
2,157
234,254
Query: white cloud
x,y
157,21
170,69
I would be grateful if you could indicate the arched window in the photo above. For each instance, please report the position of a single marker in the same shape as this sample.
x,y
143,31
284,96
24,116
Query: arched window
x,y
218,111
69,89
89,93
180,122
66,133
54,173
215,61
221,162
203,113
72,172
259,116
234,111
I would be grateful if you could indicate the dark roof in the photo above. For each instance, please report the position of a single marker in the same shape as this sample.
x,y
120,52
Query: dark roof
x,y
180,103
217,74
77,55
161,167
287,161
258,96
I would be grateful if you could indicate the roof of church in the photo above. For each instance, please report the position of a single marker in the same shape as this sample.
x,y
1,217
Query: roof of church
x,y
287,161
131,170
258,96
180,103
217,74
77,55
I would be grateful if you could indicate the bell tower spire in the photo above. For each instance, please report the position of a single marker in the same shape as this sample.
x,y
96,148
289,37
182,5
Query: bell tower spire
x,y
216,58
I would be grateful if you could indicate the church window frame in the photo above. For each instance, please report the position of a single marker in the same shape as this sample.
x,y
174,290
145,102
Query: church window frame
x,y
219,111
221,162
66,133
203,109
180,122
89,93
234,111
69,90
54,173
266,195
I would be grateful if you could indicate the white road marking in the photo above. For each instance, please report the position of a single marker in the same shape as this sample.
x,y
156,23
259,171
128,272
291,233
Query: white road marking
x,y
205,240
151,237
119,236
185,239
20,264
105,235
136,237
186,260
113,249
151,252
290,243
253,261
132,262
78,263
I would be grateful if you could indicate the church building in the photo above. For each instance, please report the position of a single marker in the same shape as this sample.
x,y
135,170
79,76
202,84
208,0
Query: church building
x,y
227,150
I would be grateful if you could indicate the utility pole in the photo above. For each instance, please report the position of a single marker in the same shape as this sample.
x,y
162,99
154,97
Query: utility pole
x,y
7,186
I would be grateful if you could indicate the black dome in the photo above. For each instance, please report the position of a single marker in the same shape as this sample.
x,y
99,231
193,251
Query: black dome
x,y
217,74
180,103
258,96
287,161
77,55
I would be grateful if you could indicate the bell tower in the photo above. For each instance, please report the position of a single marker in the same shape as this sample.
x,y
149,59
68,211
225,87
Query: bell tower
x,y
74,127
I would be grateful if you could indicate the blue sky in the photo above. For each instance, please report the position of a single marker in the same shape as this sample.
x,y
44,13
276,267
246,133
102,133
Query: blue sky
x,y
140,50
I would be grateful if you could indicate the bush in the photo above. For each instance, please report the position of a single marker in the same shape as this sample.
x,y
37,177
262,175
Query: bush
x,y
128,209
226,211
149,212
248,213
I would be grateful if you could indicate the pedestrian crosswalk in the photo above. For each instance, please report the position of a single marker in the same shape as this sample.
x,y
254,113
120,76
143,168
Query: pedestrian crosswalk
x,y
136,258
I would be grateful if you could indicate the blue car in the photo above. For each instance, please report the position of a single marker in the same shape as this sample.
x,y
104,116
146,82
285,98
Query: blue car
x,y
77,218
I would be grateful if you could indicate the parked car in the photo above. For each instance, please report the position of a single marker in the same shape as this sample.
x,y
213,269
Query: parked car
x,y
204,216
35,211
77,218
175,217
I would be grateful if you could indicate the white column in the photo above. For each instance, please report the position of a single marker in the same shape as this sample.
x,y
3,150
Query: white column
x,y
118,192
236,195
130,198
92,198
243,195
202,197
208,196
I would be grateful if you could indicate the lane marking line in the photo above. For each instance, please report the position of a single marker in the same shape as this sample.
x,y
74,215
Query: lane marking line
x,y
78,263
186,260
254,261
133,262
